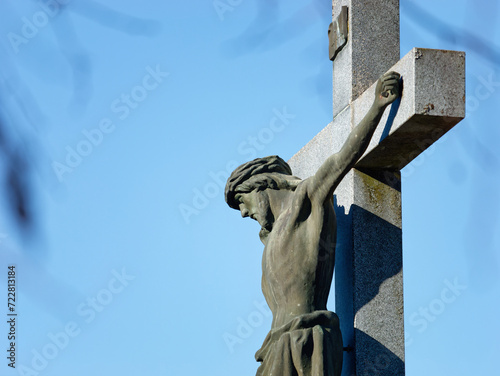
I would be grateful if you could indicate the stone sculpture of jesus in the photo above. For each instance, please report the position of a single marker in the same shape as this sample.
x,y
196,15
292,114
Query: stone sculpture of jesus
x,y
299,234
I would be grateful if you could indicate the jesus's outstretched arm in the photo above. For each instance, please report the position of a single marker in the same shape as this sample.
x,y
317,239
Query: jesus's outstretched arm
x,y
323,183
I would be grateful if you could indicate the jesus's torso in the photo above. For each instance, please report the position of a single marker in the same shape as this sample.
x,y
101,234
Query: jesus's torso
x,y
299,257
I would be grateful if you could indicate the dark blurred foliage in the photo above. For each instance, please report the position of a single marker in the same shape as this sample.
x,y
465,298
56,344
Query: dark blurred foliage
x,y
16,144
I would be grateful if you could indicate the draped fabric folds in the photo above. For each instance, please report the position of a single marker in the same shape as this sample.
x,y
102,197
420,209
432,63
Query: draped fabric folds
x,y
308,345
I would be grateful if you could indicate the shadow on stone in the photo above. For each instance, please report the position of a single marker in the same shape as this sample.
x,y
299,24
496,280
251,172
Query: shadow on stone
x,y
392,113
384,362
368,254
378,258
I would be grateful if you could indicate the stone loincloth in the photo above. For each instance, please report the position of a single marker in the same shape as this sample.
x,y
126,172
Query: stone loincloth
x,y
308,345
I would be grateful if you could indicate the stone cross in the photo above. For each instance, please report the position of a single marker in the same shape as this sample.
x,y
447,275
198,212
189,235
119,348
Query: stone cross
x,y
368,270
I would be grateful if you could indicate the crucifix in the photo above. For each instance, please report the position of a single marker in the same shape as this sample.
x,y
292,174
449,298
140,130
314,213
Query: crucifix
x,y
364,43
342,203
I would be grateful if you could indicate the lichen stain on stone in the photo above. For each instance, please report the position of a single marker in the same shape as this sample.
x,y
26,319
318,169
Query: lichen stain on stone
x,y
381,200
428,108
376,195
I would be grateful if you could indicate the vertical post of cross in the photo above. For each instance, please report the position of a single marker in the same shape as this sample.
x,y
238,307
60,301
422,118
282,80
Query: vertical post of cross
x,y
368,279
372,47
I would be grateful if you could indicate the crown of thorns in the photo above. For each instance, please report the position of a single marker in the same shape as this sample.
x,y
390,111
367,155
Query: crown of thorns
x,y
258,166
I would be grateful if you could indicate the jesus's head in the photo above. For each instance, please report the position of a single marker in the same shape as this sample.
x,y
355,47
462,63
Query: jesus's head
x,y
253,188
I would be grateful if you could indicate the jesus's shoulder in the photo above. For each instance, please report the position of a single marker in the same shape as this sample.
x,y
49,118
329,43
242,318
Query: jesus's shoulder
x,y
305,198
301,202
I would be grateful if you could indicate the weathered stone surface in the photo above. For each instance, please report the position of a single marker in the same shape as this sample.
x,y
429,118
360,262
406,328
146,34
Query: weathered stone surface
x,y
338,33
373,45
433,102
369,278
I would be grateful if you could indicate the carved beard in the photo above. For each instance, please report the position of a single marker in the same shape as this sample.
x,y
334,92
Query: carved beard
x,y
268,222
263,233
267,226
265,217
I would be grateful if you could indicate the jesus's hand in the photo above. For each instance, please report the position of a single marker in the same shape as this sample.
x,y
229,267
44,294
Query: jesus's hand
x,y
387,90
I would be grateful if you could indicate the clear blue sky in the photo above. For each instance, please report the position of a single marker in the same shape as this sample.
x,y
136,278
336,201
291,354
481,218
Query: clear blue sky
x,y
139,260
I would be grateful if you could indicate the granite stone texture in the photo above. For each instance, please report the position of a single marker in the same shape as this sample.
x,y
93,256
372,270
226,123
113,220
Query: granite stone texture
x,y
369,275
377,275
368,264
433,101
372,46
